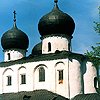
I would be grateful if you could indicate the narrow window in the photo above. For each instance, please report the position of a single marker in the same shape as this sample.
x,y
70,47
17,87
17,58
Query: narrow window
x,y
60,76
96,82
41,74
9,80
49,46
23,79
8,56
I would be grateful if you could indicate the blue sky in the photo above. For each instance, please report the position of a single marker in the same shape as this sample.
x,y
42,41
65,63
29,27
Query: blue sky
x,y
84,12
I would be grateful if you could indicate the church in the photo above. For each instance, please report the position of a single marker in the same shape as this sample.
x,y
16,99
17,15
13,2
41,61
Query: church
x,y
52,71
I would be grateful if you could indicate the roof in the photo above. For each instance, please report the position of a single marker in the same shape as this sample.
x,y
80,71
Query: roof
x,y
92,96
56,22
14,38
37,49
45,57
45,95
33,95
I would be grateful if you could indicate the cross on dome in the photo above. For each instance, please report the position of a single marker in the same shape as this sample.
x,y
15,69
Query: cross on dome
x,y
14,16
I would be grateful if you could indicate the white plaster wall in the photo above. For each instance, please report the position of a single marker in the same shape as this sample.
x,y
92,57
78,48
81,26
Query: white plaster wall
x,y
32,82
1,80
75,78
51,81
72,84
12,71
14,54
6,88
62,88
43,84
22,71
89,76
49,75
57,43
33,78
29,76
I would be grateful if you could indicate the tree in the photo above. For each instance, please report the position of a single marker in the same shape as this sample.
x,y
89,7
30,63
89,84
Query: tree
x,y
97,24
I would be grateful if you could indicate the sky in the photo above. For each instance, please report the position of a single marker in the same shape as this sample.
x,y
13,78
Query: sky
x,y
29,12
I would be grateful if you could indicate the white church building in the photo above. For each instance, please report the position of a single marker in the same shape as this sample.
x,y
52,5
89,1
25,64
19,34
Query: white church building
x,y
51,67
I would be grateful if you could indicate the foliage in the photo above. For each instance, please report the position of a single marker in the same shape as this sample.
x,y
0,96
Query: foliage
x,y
95,52
97,27
97,24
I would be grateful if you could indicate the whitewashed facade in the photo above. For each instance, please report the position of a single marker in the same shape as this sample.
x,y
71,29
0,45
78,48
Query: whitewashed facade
x,y
74,79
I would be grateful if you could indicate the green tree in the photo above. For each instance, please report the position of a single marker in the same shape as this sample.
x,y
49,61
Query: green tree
x,y
97,24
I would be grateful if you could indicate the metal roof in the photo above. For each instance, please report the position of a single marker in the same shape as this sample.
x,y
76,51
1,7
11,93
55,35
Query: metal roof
x,y
33,95
92,96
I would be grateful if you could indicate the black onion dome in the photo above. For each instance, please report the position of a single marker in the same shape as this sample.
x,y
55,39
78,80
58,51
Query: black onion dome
x,y
37,49
14,38
56,22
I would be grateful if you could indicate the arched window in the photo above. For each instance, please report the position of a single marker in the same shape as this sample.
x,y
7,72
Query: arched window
x,y
49,46
41,74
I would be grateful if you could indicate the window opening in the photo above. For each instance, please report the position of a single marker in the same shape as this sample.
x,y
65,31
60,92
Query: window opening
x,y
41,74
95,82
49,46
23,79
8,56
9,80
60,76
